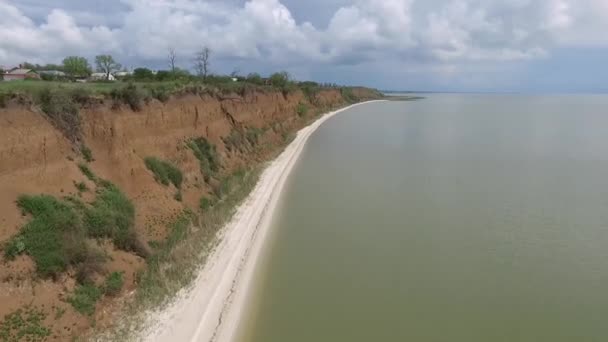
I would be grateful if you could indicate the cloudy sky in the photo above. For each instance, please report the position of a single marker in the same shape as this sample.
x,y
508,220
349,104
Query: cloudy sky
x,y
451,45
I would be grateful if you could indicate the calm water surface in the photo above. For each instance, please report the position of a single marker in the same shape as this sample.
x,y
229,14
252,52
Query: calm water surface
x,y
456,218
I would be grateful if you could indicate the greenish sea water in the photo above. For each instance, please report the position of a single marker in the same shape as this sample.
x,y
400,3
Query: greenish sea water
x,y
458,218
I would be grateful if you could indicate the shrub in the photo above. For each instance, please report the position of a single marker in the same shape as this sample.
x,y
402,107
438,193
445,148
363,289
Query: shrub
x,y
280,79
178,196
301,109
112,215
207,155
234,141
85,298
81,186
86,153
230,182
130,95
348,95
3,100
164,172
61,111
255,78
80,95
87,172
113,284
25,324
205,203
54,237
160,93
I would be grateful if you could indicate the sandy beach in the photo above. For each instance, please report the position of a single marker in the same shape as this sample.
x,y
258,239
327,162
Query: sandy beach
x,y
210,309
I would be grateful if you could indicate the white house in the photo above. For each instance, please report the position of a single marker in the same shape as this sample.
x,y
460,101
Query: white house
x,y
100,76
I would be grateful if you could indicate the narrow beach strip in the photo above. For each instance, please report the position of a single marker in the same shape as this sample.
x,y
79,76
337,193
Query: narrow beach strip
x,y
209,311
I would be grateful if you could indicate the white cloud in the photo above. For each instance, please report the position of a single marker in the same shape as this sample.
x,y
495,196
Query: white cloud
x,y
440,31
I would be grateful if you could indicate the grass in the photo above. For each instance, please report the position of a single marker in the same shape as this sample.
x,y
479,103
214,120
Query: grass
x,y
131,95
61,111
81,186
207,155
177,259
301,109
87,172
205,203
112,215
87,154
164,172
85,298
113,284
25,324
234,141
54,237
253,135
59,233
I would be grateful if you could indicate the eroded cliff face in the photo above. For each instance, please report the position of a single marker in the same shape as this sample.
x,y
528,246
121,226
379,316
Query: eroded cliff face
x,y
36,158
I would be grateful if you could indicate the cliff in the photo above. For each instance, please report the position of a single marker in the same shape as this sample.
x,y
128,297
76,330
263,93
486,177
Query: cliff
x,y
114,141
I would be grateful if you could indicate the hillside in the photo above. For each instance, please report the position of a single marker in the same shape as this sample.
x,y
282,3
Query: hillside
x,y
109,201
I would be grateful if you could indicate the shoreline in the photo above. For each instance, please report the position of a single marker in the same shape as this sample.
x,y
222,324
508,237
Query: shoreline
x,y
211,308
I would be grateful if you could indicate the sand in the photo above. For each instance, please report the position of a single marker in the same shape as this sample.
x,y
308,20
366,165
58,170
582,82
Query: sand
x,y
211,308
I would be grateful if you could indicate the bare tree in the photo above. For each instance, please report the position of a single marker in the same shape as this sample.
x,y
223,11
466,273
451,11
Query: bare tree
x,y
172,58
201,62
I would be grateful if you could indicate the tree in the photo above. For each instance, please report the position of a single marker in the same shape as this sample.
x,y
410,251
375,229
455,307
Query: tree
x,y
201,62
107,65
76,66
280,79
143,74
172,58
255,78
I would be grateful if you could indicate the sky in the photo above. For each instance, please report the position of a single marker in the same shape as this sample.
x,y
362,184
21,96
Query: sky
x,y
433,45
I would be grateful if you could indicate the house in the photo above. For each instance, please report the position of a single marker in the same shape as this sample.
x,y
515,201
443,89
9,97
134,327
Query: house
x,y
100,76
21,74
122,74
52,73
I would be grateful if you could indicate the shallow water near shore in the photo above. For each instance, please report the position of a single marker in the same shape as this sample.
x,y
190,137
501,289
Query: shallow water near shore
x,y
455,218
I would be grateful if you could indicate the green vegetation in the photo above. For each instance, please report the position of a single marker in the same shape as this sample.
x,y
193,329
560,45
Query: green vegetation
x,y
301,109
87,172
206,203
61,111
234,141
164,172
130,95
113,284
177,259
54,237
87,154
253,135
348,95
26,324
75,66
230,182
59,233
81,186
112,215
85,298
207,155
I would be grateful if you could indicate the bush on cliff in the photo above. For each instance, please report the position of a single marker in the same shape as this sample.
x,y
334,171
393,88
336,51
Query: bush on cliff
x,y
164,172
207,155
61,111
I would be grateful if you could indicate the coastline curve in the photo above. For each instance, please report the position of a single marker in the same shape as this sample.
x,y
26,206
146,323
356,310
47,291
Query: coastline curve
x,y
210,309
